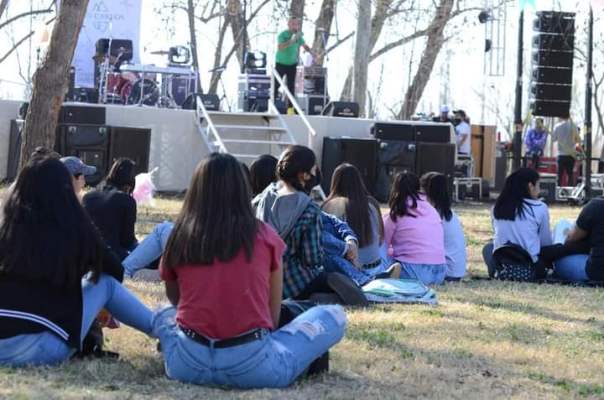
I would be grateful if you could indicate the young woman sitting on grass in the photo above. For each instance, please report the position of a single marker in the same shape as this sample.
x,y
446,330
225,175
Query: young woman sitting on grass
x,y
222,271
113,209
520,218
436,188
413,232
287,207
54,274
349,200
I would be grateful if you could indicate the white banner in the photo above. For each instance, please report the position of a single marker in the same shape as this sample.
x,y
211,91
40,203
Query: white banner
x,y
117,19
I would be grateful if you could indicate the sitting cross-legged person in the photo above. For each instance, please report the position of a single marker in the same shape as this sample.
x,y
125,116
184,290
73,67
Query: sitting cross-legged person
x,y
224,277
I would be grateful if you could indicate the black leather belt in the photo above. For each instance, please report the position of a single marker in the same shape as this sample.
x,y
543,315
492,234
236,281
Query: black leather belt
x,y
221,344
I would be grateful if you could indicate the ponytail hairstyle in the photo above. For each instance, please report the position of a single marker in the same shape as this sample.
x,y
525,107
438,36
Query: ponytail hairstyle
x,y
436,187
404,195
512,201
295,160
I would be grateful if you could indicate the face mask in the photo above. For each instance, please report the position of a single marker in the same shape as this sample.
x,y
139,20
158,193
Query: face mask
x,y
457,121
314,180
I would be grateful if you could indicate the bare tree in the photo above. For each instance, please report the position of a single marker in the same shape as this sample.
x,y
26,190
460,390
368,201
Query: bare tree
x,y
51,79
434,42
323,29
3,5
361,55
193,41
296,9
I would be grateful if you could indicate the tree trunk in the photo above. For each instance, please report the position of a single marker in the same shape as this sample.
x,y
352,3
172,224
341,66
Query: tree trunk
x,y
434,43
296,10
3,5
237,23
377,24
323,30
217,73
193,39
51,80
361,55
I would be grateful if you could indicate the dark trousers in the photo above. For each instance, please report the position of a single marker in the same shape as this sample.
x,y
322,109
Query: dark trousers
x,y
289,72
566,164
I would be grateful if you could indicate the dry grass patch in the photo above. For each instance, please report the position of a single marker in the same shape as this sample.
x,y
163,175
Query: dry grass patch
x,y
484,340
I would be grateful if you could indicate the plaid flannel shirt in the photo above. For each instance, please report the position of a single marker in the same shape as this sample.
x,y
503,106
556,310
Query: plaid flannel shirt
x,y
303,259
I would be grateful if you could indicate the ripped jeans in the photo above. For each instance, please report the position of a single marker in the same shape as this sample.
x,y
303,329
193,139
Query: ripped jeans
x,y
273,361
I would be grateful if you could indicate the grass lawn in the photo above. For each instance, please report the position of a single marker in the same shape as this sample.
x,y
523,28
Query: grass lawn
x,y
485,340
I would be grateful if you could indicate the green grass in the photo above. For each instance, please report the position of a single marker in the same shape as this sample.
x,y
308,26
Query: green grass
x,y
485,340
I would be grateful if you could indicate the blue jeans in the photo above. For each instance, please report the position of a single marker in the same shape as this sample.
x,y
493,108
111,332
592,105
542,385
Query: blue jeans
x,y
48,349
274,361
342,265
572,268
426,273
149,249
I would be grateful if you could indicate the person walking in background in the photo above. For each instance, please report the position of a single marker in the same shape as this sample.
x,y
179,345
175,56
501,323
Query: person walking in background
x,y
535,141
289,42
567,136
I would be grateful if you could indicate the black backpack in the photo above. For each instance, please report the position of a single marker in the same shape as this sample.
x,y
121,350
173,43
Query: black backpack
x,y
513,263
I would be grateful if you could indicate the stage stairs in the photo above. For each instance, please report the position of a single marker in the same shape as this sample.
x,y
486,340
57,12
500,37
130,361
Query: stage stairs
x,y
245,135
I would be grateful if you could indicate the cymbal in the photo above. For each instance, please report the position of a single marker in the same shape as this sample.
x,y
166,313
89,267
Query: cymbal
x,y
160,52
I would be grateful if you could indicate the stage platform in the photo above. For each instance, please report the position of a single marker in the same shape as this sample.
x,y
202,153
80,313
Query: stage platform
x,y
177,145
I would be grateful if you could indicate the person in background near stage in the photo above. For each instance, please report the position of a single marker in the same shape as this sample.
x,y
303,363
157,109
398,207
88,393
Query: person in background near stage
x,y
535,141
444,115
79,171
289,43
463,132
567,136
113,209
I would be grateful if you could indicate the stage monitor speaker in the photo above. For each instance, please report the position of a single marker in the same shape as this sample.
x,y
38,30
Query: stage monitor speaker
x,y
550,108
440,133
393,131
553,59
88,115
343,109
560,76
132,143
362,153
394,156
14,149
386,175
555,22
553,43
543,91
88,142
210,101
436,157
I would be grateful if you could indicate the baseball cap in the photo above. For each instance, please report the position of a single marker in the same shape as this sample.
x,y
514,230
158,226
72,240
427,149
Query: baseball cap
x,y
77,166
444,109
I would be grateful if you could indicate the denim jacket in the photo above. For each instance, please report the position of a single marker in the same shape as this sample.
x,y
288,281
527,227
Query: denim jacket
x,y
335,234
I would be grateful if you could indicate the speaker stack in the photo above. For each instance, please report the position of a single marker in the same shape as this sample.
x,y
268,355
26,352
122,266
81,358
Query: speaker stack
x,y
552,72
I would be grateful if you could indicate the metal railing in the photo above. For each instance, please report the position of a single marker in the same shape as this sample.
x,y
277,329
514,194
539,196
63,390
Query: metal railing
x,y
293,102
201,109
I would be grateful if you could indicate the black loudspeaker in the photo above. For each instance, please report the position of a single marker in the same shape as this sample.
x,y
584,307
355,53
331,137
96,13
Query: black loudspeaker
x,y
392,131
550,108
551,92
89,115
342,109
210,101
393,157
555,43
433,133
436,157
554,22
118,46
88,142
14,149
559,76
362,153
553,59
132,143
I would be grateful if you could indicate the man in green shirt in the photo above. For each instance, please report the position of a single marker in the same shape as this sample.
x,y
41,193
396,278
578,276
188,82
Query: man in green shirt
x,y
289,43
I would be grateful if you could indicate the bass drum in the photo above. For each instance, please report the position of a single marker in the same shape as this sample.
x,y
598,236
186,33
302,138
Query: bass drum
x,y
131,92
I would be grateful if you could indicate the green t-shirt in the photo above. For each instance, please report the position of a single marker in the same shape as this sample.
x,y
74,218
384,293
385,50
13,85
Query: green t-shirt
x,y
289,55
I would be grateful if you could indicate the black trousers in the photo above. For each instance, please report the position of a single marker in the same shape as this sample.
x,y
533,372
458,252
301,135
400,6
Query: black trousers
x,y
566,164
289,72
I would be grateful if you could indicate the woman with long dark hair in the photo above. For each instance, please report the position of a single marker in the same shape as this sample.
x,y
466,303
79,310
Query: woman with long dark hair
x,y
263,172
520,218
349,200
436,188
113,209
287,207
413,231
52,284
223,273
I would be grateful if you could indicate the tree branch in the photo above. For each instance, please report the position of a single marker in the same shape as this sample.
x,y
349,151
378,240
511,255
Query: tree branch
x,y
25,14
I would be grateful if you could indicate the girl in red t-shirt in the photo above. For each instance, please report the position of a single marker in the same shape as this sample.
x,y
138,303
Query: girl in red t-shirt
x,y
223,275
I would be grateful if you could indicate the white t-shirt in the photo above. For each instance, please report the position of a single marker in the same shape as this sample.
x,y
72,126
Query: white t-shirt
x,y
455,248
531,232
463,130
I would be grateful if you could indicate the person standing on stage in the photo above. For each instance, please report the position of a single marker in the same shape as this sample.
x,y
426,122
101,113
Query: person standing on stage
x,y
567,136
463,132
289,43
535,141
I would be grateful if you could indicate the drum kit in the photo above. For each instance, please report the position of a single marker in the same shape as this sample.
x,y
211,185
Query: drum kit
x,y
121,82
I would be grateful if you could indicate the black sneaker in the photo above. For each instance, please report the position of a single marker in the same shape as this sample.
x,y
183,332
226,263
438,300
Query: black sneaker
x,y
349,292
